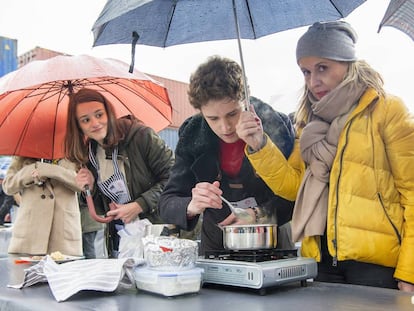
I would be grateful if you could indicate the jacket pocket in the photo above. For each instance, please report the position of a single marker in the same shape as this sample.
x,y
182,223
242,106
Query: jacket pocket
x,y
22,224
72,226
389,218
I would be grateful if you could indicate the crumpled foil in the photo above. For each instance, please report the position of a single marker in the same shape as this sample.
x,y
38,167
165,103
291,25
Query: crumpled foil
x,y
166,253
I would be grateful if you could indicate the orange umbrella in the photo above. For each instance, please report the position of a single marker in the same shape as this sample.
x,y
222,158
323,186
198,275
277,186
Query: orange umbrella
x,y
34,99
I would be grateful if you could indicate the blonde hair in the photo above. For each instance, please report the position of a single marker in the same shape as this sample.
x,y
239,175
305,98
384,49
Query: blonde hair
x,y
359,71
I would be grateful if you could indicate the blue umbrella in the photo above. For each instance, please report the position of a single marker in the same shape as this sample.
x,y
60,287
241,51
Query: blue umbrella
x,y
165,23
400,15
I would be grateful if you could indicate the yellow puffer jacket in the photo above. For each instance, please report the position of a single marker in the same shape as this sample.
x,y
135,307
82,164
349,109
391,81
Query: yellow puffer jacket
x,y
371,188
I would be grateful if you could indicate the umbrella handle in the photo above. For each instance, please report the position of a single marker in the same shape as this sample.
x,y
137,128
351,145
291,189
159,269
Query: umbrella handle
x,y
91,208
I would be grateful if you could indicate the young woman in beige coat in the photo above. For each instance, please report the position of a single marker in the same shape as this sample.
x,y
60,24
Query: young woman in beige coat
x,y
48,218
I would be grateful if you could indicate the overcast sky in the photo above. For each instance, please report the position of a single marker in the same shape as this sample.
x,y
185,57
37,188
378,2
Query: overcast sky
x,y
273,75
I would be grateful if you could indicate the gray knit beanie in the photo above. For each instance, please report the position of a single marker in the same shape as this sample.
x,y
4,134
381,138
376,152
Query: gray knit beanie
x,y
331,40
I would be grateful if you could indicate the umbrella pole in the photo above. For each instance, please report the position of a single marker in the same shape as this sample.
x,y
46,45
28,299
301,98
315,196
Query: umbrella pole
x,y
91,207
246,89
135,37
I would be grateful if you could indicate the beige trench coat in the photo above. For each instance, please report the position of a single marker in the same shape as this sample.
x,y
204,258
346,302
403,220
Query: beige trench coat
x,y
48,218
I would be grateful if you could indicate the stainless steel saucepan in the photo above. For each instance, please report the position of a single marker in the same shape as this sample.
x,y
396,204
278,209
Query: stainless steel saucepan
x,y
243,237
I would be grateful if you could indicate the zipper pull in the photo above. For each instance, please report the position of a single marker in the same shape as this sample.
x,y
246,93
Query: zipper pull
x,y
334,258
334,261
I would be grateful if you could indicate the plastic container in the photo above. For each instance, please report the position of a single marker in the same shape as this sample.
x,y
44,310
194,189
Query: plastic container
x,y
168,283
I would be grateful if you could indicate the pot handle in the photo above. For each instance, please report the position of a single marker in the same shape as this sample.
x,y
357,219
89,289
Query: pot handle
x,y
91,207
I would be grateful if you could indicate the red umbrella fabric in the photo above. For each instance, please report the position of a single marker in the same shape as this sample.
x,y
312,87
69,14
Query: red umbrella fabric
x,y
34,99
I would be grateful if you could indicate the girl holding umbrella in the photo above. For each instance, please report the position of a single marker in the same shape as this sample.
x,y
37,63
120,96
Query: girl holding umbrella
x,y
125,164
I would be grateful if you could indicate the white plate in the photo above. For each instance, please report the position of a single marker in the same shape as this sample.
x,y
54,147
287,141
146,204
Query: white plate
x,y
67,258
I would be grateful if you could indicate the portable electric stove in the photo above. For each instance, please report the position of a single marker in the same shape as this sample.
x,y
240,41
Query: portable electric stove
x,y
257,269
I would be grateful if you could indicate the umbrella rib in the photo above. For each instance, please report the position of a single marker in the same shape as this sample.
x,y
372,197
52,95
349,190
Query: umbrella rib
x,y
64,88
110,81
54,88
336,8
49,90
25,128
251,19
143,97
174,5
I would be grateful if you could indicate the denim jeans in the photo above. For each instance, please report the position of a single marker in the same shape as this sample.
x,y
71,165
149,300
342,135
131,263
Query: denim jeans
x,y
88,244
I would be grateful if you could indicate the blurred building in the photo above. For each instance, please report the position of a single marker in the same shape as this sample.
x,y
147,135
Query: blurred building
x,y
8,55
37,53
4,165
177,91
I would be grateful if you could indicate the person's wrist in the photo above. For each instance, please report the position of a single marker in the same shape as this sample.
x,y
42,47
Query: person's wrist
x,y
138,208
253,149
398,280
190,215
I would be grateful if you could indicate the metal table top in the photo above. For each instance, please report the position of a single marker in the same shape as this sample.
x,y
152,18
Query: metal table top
x,y
316,296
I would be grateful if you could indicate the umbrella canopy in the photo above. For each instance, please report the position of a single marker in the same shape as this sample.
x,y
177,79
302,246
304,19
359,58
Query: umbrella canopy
x,y
400,15
165,23
34,99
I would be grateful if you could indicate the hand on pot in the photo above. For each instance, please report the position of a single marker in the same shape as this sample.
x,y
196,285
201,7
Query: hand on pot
x,y
233,220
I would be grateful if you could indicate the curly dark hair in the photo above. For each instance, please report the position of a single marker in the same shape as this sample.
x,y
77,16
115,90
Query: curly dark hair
x,y
216,79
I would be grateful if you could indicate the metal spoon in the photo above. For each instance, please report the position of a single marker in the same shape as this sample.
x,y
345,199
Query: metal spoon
x,y
240,213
